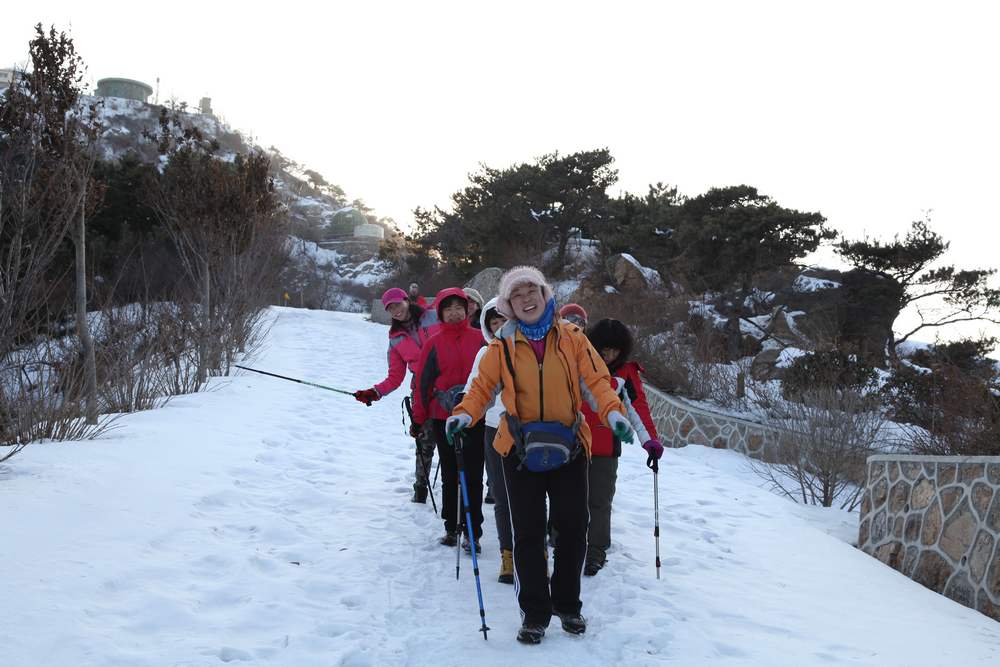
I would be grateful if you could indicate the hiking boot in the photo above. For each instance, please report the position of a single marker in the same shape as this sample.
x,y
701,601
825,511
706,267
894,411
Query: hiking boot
x,y
575,624
419,494
595,561
467,549
506,567
530,633
449,540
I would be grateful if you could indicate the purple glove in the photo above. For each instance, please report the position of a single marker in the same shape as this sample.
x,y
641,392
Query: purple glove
x,y
654,448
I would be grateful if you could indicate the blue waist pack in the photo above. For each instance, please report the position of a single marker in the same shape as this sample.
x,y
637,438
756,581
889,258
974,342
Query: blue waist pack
x,y
544,446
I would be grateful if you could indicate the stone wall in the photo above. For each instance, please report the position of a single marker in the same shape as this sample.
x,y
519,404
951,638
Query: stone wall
x,y
936,519
681,423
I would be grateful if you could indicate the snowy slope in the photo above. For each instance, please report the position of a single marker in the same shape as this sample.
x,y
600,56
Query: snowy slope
x,y
269,523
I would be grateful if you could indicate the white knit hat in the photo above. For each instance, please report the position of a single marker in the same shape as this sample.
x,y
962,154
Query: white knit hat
x,y
520,275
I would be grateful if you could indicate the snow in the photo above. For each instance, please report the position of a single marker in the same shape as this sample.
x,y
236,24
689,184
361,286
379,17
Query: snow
x,y
268,522
804,283
563,289
652,275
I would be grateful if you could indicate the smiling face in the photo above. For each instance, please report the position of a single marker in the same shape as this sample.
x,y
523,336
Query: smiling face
x,y
399,311
453,311
527,302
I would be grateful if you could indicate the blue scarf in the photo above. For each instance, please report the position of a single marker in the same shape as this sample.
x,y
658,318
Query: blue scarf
x,y
538,330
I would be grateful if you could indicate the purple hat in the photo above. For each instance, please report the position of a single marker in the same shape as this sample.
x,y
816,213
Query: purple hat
x,y
394,295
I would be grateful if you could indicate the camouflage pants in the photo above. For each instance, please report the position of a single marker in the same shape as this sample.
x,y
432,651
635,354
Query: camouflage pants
x,y
425,456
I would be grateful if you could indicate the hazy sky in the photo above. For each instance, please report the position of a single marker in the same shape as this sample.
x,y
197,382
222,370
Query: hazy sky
x,y
870,112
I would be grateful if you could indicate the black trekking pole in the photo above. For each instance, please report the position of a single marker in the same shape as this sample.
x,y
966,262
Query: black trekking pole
x,y
654,465
408,405
285,377
458,524
460,461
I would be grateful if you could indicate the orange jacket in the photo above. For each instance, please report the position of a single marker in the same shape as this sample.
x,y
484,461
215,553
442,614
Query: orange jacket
x,y
571,372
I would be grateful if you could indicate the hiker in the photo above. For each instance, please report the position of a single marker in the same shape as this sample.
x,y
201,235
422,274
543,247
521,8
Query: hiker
x,y
412,326
543,369
574,314
613,341
414,296
490,322
476,306
442,371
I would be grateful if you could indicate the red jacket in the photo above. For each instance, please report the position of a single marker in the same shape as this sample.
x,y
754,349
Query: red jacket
x,y
603,442
445,362
404,352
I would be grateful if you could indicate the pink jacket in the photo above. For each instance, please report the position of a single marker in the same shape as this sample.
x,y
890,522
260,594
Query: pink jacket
x,y
404,352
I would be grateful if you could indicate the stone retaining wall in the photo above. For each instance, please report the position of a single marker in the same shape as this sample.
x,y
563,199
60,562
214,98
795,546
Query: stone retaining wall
x,y
936,519
681,423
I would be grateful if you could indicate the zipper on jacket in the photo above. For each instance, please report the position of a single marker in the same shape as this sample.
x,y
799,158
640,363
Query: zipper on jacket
x,y
541,394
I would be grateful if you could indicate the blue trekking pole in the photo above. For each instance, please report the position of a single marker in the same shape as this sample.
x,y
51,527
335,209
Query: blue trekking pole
x,y
459,459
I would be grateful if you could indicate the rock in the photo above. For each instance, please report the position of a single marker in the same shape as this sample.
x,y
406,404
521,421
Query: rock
x,y
993,473
687,426
950,498
959,531
980,558
879,527
719,443
932,525
898,496
486,282
946,474
912,530
910,470
897,530
784,329
891,554
764,366
629,276
696,437
981,496
992,582
985,606
866,504
755,442
922,494
879,493
863,533
910,560
972,471
932,571
960,590
993,518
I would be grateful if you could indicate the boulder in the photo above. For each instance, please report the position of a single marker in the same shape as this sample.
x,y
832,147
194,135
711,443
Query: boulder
x,y
627,275
486,282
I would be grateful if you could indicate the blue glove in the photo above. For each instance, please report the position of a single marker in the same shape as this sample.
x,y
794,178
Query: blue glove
x,y
455,425
620,426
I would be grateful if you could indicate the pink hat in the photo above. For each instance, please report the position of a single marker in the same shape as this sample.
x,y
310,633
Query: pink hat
x,y
520,275
393,295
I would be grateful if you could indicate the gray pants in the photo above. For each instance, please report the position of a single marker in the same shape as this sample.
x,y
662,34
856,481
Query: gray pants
x,y
602,474
425,457
494,479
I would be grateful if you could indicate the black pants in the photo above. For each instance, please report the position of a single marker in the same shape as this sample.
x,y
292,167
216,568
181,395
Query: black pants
x,y
567,492
472,455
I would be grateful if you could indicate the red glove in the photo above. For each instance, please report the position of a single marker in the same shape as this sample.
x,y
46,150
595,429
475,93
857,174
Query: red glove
x,y
367,396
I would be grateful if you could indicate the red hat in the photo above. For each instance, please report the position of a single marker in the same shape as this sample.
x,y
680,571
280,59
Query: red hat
x,y
394,295
571,310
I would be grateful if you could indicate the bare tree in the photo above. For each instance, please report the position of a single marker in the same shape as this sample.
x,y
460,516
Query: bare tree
x,y
827,437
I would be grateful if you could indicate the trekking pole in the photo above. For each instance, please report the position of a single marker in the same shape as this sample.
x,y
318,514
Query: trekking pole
x,y
458,524
285,377
460,460
654,465
408,406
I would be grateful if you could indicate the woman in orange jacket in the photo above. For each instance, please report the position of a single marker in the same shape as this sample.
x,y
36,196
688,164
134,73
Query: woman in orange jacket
x,y
542,369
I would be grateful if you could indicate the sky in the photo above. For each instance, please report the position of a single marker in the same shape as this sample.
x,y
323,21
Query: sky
x,y
873,113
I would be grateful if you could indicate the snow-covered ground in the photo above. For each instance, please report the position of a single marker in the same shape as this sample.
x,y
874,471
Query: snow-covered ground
x,y
267,522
